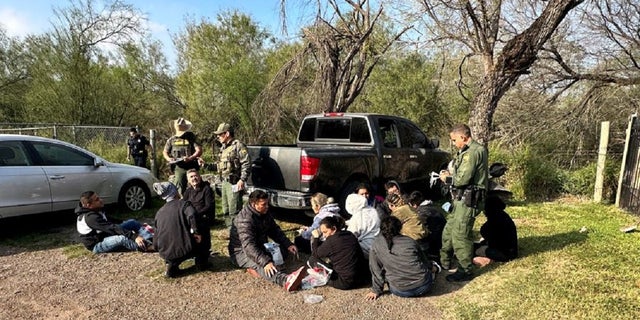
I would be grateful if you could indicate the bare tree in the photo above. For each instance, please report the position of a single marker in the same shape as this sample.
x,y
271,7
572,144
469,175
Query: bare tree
x,y
506,49
340,44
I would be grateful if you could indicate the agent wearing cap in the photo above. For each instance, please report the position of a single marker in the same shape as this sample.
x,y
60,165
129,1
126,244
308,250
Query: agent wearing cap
x,y
182,151
177,236
137,148
233,167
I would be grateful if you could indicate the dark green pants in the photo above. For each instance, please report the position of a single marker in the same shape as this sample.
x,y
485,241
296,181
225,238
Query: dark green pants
x,y
457,236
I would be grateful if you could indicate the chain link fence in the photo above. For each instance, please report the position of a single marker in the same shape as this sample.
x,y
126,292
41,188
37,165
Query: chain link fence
x,y
83,136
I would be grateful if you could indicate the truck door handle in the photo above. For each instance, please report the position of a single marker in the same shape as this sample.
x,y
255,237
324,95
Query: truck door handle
x,y
386,156
413,156
56,177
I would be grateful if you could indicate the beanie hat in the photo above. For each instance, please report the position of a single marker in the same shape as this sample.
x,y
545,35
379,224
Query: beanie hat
x,y
166,190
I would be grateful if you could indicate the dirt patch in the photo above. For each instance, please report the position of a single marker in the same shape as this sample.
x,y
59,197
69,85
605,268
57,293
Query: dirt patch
x,y
61,281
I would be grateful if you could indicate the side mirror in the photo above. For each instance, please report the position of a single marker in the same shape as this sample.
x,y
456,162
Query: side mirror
x,y
97,162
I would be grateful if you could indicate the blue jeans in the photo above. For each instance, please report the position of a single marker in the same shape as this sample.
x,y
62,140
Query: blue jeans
x,y
115,243
137,227
417,292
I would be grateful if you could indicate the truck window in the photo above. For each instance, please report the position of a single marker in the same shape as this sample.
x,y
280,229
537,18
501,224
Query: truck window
x,y
388,133
333,129
411,136
307,130
360,131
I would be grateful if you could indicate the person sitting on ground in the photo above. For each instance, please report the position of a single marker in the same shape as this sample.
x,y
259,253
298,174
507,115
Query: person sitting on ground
x,y
364,222
177,235
250,230
500,238
364,190
201,197
341,252
398,261
391,187
432,217
100,235
322,207
411,225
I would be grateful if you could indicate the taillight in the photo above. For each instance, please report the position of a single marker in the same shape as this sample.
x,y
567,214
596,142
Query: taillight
x,y
308,167
334,114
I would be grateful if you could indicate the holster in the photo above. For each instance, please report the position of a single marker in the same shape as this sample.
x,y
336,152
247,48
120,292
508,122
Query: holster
x,y
472,196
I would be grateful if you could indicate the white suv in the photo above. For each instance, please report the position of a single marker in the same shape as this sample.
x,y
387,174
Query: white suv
x,y
42,175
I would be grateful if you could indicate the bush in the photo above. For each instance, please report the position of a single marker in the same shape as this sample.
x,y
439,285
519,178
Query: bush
x,y
530,176
582,181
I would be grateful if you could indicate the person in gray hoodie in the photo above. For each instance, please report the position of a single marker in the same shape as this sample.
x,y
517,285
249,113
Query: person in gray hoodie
x,y
398,261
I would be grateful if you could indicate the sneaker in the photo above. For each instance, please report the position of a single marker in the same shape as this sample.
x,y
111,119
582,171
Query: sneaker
x,y
460,276
294,279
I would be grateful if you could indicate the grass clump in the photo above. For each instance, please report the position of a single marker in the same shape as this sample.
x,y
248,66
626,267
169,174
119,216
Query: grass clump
x,y
563,272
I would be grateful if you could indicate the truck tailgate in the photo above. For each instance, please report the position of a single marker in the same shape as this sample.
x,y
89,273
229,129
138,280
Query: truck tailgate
x,y
275,167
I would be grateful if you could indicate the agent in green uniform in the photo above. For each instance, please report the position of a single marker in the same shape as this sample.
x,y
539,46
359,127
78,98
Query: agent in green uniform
x,y
182,152
469,184
233,167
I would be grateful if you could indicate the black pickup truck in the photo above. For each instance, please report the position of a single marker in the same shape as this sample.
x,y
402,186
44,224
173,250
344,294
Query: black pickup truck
x,y
335,152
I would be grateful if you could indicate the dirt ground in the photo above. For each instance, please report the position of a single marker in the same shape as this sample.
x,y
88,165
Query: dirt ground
x,y
50,278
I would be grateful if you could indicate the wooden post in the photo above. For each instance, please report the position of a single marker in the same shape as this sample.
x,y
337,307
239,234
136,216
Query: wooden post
x,y
602,157
632,120
152,141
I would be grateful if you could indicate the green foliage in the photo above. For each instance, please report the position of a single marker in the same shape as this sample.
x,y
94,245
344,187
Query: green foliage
x,y
222,71
582,181
530,176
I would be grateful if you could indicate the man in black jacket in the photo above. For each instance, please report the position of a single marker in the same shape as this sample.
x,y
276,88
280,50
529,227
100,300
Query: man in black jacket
x,y
201,197
249,232
99,234
177,236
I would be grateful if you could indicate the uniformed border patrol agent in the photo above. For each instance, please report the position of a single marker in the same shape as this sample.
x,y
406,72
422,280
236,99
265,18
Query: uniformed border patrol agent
x,y
468,188
233,167
182,151
137,147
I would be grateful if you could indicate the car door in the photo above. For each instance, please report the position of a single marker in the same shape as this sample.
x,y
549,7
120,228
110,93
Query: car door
x,y
71,172
24,188
414,143
393,158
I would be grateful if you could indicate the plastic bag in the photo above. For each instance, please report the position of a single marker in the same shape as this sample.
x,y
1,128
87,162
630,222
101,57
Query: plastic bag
x,y
316,277
276,254
312,298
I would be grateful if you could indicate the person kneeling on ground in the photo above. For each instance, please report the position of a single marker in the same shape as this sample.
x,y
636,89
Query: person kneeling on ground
x,y
100,235
341,252
177,236
500,238
250,230
399,261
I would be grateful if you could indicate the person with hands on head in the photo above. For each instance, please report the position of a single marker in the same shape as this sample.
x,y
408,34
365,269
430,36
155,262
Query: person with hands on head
x,y
250,230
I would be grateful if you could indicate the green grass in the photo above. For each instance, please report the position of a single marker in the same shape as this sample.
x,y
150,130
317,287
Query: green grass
x,y
562,273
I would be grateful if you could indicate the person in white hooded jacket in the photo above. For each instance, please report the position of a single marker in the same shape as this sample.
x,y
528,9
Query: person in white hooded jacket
x,y
364,222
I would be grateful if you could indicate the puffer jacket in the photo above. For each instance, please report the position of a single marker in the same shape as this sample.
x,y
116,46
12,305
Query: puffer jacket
x,y
250,231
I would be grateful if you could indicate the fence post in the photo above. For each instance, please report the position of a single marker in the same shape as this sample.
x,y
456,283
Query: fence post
x,y
602,157
152,137
632,120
